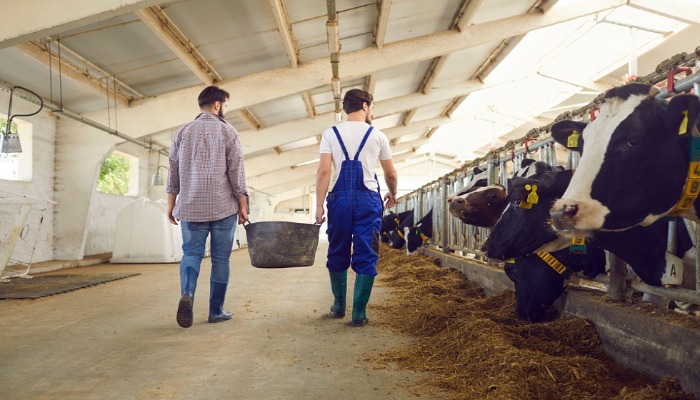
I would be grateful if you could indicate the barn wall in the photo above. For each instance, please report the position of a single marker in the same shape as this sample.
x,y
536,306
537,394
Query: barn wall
x,y
104,208
41,186
633,339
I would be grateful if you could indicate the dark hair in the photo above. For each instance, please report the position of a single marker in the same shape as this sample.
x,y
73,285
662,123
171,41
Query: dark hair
x,y
353,100
212,94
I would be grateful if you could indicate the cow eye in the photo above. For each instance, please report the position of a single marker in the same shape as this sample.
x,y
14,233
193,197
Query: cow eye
x,y
631,142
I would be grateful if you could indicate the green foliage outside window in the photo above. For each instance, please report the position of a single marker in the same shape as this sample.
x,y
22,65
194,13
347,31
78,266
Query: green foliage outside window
x,y
3,126
114,175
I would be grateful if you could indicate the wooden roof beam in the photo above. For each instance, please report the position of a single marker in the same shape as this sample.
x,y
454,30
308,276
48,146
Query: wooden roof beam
x,y
166,30
284,27
384,8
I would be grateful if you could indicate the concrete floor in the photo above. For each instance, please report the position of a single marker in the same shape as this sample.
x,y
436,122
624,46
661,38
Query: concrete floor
x,y
119,340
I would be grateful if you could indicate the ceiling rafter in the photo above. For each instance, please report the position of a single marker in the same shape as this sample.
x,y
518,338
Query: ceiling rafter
x,y
370,83
314,73
165,29
247,115
308,103
408,117
284,27
384,9
466,14
688,15
507,45
73,72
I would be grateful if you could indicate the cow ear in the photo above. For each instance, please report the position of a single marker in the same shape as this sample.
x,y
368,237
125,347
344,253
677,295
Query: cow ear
x,y
569,134
525,162
476,171
682,114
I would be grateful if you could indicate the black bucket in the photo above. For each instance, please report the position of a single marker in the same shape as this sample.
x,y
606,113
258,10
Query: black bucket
x,y
281,244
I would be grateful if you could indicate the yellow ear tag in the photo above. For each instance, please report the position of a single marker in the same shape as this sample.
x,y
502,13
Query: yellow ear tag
x,y
572,140
532,198
684,124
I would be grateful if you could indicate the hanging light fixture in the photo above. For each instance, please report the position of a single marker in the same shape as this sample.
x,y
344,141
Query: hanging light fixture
x,y
9,141
157,179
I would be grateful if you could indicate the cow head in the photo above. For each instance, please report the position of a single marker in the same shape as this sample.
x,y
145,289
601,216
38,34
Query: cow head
x,y
418,234
634,160
538,285
397,238
480,207
390,222
524,226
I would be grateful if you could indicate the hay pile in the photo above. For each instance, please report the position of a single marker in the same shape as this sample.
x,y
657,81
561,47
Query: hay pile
x,y
474,348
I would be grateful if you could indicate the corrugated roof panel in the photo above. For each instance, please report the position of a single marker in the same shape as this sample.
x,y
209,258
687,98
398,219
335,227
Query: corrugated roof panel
x,y
400,81
239,38
461,65
498,9
413,18
280,110
431,111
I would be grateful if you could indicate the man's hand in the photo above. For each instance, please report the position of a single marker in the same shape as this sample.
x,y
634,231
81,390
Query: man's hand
x,y
242,216
389,200
319,215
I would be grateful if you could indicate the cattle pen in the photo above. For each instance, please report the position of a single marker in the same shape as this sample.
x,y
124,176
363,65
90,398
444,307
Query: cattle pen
x,y
636,340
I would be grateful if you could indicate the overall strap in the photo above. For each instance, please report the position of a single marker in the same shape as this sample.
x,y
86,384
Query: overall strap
x,y
342,145
362,144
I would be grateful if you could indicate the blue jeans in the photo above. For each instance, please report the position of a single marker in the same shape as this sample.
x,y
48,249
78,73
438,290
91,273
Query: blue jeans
x,y
194,239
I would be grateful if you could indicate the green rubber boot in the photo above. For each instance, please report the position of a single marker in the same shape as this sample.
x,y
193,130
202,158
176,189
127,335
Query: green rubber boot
x,y
339,287
363,289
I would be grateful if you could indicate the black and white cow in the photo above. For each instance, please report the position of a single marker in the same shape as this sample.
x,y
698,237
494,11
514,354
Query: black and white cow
x,y
390,222
397,239
634,161
418,234
522,231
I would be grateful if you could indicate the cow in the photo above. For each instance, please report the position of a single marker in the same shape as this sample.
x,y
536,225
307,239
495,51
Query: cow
x,y
483,206
390,222
396,237
539,279
418,234
634,166
524,229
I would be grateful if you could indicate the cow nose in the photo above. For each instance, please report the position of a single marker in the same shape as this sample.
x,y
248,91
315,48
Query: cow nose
x,y
562,218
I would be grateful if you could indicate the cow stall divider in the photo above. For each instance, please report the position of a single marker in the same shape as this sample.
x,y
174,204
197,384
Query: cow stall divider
x,y
451,235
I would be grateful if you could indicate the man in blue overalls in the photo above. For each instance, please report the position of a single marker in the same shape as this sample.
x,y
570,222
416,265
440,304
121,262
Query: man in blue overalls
x,y
355,204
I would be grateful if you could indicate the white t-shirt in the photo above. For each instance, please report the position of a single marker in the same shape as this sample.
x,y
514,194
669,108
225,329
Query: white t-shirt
x,y
376,148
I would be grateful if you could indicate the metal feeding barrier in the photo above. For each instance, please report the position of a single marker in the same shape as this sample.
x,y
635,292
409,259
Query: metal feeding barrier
x,y
452,236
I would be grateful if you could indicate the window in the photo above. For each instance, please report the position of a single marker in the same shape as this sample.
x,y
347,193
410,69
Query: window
x,y
119,174
17,166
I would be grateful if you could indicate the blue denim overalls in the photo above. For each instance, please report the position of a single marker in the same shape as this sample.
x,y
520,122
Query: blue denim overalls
x,y
354,217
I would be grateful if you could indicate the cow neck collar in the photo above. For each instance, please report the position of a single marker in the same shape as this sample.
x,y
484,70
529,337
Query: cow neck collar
x,y
556,265
691,190
422,235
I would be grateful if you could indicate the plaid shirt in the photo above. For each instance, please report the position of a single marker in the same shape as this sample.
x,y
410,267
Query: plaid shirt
x,y
206,170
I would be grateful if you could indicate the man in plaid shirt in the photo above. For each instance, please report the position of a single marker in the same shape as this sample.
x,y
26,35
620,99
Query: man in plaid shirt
x,y
206,193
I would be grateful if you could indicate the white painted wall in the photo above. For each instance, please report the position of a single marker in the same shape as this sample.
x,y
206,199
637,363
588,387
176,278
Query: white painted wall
x,y
41,186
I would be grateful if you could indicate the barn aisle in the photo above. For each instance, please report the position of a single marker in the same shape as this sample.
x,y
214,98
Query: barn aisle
x,y
119,340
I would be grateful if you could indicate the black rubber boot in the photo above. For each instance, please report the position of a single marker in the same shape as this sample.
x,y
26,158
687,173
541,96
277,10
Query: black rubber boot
x,y
363,289
184,309
216,303
339,287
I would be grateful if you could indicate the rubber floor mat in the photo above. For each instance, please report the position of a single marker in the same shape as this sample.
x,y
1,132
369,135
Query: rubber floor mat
x,y
48,285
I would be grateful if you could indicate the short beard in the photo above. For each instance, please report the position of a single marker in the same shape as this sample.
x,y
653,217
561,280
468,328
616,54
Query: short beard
x,y
221,113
